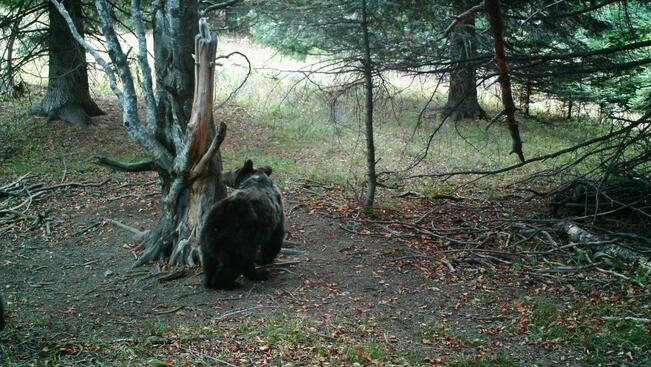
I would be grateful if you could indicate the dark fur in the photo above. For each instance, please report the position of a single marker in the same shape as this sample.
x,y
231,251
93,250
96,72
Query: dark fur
x,y
233,178
245,228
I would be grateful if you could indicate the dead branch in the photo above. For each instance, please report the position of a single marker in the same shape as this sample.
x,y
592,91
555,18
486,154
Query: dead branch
x,y
580,235
628,318
126,167
545,157
460,18
138,235
210,153
174,310
290,243
290,252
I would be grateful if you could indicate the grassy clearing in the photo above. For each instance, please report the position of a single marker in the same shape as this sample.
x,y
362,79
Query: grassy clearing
x,y
302,137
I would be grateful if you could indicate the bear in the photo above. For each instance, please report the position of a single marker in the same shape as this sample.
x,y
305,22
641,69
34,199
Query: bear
x,y
243,229
234,177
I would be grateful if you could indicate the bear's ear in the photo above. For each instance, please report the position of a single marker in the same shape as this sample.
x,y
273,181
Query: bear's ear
x,y
248,165
267,170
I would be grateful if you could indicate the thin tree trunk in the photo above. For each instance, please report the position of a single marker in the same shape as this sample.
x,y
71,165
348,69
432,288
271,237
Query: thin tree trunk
x,y
7,81
570,104
68,97
497,27
371,179
462,95
527,98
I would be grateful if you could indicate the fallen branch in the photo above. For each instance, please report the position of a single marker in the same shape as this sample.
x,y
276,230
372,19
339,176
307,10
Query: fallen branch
x,y
621,276
614,250
126,167
233,313
628,318
138,235
169,311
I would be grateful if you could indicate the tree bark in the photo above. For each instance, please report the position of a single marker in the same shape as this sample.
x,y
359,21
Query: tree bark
x,y
494,12
187,198
68,97
7,78
524,97
371,178
462,95
179,134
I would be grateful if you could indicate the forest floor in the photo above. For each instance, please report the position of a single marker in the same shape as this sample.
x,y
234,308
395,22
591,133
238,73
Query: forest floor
x,y
369,290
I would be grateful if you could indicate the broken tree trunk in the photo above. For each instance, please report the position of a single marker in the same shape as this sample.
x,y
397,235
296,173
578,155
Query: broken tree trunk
x,y
494,12
183,146
195,186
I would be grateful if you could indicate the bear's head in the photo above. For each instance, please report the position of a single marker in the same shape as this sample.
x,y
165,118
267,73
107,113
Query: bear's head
x,y
234,178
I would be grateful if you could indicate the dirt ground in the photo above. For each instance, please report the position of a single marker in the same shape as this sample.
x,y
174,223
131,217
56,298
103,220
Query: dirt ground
x,y
353,296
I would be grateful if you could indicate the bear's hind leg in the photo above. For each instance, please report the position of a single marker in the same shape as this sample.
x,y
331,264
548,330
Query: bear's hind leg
x,y
255,275
270,250
210,265
225,276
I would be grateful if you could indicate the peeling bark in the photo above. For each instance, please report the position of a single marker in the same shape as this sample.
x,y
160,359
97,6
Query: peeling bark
x,y
195,184
180,135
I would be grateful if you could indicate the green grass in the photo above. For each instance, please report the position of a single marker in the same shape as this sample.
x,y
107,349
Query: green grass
x,y
600,341
544,320
301,137
288,126
467,338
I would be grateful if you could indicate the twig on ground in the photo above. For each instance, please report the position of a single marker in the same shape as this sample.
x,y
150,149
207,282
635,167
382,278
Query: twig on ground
x,y
176,309
137,234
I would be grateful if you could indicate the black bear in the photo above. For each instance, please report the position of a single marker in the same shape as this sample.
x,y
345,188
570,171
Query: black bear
x,y
245,228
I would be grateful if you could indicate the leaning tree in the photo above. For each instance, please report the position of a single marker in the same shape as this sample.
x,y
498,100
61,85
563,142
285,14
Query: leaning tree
x,y
178,132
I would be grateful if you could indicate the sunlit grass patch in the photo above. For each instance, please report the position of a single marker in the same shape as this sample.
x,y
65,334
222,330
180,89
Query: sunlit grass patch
x,y
310,126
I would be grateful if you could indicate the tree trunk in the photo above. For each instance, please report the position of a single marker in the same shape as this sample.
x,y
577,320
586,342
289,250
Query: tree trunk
x,y
186,198
371,178
494,11
67,97
527,99
7,78
462,95
570,105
